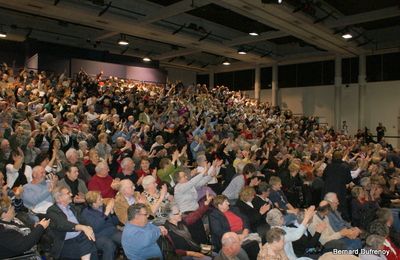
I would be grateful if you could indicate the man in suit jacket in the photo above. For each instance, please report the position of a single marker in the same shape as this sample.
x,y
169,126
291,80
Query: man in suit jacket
x,y
71,238
125,197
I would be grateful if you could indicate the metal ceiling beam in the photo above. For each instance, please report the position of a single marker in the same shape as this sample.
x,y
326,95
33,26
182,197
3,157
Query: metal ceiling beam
x,y
371,16
376,15
253,39
299,25
75,12
172,10
106,35
173,54
183,66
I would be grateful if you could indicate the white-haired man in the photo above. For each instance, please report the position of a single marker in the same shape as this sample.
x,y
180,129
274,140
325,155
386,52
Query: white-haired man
x,y
103,182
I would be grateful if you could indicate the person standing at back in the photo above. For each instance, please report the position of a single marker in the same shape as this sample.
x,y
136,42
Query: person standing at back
x,y
337,176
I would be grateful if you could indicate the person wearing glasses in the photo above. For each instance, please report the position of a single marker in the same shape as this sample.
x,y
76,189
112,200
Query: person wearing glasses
x,y
179,234
139,237
72,239
15,237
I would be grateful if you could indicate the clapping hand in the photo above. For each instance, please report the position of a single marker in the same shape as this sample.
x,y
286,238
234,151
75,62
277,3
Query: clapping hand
x,y
209,198
109,207
264,209
164,191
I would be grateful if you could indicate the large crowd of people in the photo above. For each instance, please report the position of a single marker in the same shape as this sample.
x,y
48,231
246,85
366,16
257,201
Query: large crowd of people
x,y
102,168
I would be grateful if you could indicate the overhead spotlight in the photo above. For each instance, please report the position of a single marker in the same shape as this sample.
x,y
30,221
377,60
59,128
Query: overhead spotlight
x,y
146,59
272,1
226,63
242,51
3,34
253,34
347,36
122,41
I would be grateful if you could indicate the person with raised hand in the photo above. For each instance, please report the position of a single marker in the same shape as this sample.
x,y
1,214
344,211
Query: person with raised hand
x,y
15,237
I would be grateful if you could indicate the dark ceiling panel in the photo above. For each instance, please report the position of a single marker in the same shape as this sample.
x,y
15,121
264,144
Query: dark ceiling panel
x,y
285,40
380,24
164,2
228,18
350,7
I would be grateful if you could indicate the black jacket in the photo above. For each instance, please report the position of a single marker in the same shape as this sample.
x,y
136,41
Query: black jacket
x,y
13,243
59,226
253,215
219,225
336,176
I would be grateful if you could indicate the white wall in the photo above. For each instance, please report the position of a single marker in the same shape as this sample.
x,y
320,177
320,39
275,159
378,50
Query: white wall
x,y
32,63
187,77
382,99
381,105
117,70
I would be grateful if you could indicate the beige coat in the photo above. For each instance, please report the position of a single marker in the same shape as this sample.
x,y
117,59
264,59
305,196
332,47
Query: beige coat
x,y
328,234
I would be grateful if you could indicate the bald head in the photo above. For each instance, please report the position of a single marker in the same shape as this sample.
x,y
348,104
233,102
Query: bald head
x,y
323,203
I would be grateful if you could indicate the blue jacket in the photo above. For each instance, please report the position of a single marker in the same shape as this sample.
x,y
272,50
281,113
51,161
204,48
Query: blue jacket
x,y
140,243
102,225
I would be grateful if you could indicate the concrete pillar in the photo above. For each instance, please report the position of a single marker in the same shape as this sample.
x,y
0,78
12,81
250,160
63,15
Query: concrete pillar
x,y
338,92
211,80
257,83
274,97
362,88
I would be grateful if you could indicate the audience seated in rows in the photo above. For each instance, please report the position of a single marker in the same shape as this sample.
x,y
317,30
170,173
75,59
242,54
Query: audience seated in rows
x,y
106,145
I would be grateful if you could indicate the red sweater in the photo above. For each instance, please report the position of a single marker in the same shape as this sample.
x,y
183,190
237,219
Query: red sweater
x,y
102,184
394,252
235,222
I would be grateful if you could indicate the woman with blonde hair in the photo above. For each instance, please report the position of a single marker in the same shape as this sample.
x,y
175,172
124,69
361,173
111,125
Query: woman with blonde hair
x,y
293,185
255,217
104,223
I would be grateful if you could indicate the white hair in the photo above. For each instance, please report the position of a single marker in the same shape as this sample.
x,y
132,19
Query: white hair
x,y
148,180
71,152
330,196
100,166
125,162
274,217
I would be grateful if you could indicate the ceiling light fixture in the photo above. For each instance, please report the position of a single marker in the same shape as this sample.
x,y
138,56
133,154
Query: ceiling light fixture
x,y
253,34
122,41
347,36
226,63
272,1
146,59
242,52
3,34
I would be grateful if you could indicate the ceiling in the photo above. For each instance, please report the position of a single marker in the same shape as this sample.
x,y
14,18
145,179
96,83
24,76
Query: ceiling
x,y
200,34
